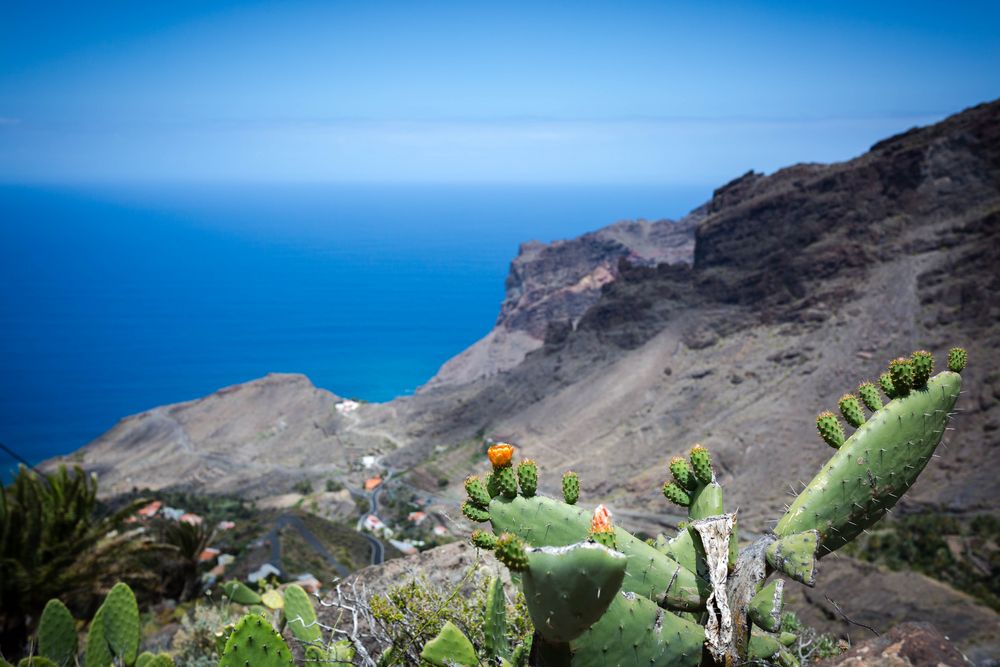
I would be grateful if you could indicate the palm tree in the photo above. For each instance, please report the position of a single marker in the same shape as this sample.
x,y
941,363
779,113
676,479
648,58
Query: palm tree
x,y
53,543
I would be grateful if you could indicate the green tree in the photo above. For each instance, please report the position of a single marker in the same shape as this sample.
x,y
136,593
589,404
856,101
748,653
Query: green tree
x,y
53,543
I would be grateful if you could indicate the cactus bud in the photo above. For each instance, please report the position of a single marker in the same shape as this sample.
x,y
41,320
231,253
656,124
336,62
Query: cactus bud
x,y
484,540
510,551
506,480
869,396
901,373
527,477
570,488
701,461
492,485
851,409
675,494
478,495
957,358
830,429
473,513
601,530
500,454
885,381
922,363
682,473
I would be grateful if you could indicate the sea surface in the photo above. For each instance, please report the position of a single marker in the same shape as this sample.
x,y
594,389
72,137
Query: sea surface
x,y
116,300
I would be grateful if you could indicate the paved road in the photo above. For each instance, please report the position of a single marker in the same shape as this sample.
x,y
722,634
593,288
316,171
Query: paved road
x,y
317,546
378,549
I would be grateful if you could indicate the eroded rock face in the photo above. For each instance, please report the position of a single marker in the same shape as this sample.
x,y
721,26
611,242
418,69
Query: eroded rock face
x,y
906,645
550,286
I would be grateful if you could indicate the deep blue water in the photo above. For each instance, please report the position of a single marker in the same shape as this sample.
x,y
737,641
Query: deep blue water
x,y
113,301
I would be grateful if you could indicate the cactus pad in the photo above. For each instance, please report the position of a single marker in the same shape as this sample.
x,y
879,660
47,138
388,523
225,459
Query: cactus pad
x,y
478,495
830,429
682,473
901,373
570,487
568,588
634,631
97,652
922,363
495,620
675,494
254,642
121,623
147,659
451,647
527,477
850,407
542,521
240,593
701,462
869,396
484,540
473,513
300,615
36,661
765,607
795,555
57,634
874,467
957,358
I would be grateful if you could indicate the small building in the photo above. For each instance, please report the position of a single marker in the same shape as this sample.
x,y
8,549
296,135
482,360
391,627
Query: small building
x,y
150,510
209,554
263,572
191,518
417,517
373,483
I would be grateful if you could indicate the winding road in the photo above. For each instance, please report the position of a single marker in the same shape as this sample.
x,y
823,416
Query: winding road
x,y
274,537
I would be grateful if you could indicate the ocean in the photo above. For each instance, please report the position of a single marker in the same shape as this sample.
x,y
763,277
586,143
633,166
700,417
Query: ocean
x,y
114,300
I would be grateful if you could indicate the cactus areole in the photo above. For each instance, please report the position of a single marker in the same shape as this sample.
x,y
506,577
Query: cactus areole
x,y
597,595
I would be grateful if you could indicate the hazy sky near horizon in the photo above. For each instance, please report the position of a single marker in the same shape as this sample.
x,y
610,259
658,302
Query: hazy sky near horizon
x,y
673,93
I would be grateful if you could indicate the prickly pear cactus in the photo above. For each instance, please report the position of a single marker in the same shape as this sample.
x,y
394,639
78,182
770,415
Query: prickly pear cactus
x,y
57,634
240,593
121,623
300,615
254,642
450,647
36,661
147,659
597,595
97,653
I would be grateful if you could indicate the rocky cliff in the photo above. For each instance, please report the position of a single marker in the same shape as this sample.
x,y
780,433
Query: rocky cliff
x,y
550,286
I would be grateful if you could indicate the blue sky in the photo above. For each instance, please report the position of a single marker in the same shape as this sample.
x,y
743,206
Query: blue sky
x,y
674,93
